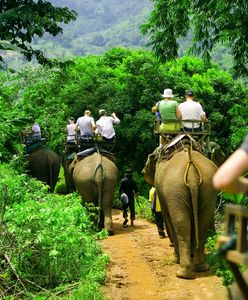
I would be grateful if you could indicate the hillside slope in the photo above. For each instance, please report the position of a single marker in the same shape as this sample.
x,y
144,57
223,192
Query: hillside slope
x,y
100,25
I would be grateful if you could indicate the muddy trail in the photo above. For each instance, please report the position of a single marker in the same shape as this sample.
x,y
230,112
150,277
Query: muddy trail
x,y
142,267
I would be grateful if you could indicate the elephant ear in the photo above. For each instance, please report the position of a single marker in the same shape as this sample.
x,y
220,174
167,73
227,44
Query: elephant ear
x,y
150,168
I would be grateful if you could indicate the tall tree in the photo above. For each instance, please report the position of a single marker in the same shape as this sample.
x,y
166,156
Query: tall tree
x,y
211,21
22,20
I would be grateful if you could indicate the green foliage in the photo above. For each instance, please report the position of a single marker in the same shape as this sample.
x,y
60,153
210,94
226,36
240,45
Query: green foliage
x,y
234,198
11,119
218,265
143,209
212,22
21,21
128,83
32,189
48,238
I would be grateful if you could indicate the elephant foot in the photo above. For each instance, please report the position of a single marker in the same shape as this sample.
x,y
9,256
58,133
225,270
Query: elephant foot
x,y
184,273
202,267
176,259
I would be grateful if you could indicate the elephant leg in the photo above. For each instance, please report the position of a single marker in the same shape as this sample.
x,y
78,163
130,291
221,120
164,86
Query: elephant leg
x,y
172,237
182,225
205,218
108,223
200,264
101,220
185,268
106,206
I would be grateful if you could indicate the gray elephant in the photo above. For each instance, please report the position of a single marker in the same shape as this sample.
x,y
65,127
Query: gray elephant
x,y
216,154
44,165
183,181
95,177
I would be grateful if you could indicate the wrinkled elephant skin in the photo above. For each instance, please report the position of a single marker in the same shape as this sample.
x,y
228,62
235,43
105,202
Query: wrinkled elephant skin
x,y
187,200
44,165
95,178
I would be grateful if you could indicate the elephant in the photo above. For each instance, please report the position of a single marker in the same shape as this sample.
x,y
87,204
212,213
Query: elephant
x,y
183,181
216,154
44,164
95,177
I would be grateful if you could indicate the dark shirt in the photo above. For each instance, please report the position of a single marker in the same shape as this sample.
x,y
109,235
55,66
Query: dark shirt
x,y
128,186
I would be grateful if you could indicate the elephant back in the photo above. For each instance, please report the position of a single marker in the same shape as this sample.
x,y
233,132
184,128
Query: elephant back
x,y
90,166
44,164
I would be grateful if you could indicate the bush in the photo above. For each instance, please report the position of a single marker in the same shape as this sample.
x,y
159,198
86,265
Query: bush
x,y
143,209
47,240
218,264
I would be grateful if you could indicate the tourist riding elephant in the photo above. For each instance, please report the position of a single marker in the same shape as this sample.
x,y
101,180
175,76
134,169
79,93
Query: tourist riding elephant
x,y
183,181
95,177
44,165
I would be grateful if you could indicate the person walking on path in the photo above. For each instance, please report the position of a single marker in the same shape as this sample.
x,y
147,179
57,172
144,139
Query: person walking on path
x,y
129,187
156,210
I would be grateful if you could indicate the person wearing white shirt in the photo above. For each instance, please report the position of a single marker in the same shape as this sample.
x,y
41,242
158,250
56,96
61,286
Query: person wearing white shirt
x,y
105,125
71,133
86,125
191,110
35,134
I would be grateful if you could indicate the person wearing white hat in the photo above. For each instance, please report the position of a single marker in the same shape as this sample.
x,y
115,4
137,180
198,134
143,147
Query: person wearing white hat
x,y
169,112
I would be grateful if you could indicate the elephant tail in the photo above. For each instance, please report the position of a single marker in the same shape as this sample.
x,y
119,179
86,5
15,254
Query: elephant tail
x,y
194,188
99,177
54,168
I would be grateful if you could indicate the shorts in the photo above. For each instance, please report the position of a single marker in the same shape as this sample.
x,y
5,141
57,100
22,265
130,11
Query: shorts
x,y
172,126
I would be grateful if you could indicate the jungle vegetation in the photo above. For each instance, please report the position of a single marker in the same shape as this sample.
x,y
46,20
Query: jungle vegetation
x,y
210,22
123,80
21,21
99,26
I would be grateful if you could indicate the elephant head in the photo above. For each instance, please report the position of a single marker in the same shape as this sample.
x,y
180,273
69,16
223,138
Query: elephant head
x,y
95,177
44,165
216,154
183,181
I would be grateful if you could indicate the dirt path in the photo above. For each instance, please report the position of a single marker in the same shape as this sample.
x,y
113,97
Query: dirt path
x,y
142,268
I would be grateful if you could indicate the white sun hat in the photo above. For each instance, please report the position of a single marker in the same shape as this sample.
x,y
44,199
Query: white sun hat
x,y
168,93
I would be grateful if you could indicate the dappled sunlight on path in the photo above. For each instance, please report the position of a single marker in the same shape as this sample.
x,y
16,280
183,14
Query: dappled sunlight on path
x,y
142,267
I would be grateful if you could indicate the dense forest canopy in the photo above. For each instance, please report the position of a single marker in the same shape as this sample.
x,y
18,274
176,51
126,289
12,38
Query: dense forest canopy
x,y
48,239
128,83
210,21
101,25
